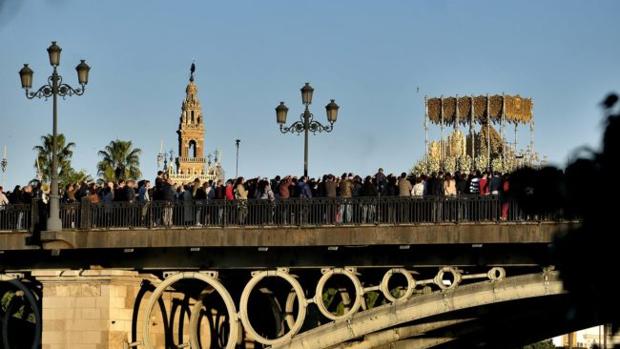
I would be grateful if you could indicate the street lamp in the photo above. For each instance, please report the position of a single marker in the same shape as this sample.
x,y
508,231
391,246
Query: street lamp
x,y
4,163
237,142
54,88
307,123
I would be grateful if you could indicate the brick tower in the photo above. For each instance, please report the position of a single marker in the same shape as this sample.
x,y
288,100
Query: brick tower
x,y
191,160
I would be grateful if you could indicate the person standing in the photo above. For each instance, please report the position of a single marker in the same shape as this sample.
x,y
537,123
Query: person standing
x,y
3,199
168,197
474,183
346,192
450,209
504,198
404,191
241,195
199,195
144,199
495,183
284,192
495,187
229,190
303,188
418,188
331,189
484,184
449,186
404,186
188,205
369,207
461,184
380,180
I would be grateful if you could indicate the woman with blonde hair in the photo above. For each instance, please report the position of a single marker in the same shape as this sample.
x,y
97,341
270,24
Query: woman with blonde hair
x,y
241,195
449,186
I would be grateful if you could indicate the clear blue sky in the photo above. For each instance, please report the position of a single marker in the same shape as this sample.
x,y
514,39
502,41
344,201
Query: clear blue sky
x,y
369,55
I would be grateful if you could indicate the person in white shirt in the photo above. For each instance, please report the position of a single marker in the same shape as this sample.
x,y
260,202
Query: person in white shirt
x,y
418,188
3,199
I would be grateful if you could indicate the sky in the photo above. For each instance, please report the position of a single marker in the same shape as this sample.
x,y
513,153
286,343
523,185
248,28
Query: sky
x,y
377,59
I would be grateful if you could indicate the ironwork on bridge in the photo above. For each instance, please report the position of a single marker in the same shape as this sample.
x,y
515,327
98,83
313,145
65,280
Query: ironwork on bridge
x,y
290,212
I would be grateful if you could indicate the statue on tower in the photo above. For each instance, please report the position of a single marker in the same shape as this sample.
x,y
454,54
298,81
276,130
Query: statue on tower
x,y
192,69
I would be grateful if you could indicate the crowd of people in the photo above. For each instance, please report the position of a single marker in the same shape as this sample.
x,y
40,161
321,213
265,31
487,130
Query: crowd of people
x,y
240,191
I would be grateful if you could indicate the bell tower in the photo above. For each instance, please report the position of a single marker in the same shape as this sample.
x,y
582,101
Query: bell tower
x,y
191,161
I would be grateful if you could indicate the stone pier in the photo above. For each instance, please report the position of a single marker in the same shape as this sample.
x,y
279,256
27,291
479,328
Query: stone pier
x,y
87,309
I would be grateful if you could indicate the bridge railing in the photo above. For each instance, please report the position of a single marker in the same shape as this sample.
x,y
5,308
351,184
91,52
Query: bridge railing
x,y
16,217
295,212
290,212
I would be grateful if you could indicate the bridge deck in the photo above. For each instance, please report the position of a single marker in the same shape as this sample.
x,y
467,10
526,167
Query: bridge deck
x,y
460,244
360,235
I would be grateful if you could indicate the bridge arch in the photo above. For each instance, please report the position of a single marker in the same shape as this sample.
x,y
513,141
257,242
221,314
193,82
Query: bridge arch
x,y
425,306
209,280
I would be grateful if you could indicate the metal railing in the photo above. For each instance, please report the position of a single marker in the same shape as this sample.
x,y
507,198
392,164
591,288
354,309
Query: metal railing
x,y
287,212
15,217
295,212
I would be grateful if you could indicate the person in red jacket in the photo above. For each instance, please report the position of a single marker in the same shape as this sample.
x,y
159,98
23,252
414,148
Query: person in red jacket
x,y
230,196
484,184
504,198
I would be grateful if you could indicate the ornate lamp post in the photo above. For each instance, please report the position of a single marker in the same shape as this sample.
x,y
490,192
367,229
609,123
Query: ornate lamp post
x,y
237,142
307,123
3,163
54,88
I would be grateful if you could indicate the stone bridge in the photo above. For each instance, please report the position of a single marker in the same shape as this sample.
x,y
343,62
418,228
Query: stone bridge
x,y
403,284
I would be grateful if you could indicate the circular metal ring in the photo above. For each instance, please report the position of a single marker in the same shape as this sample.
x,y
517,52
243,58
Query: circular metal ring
x,y
245,297
209,280
194,323
359,293
496,273
439,278
288,309
385,289
38,330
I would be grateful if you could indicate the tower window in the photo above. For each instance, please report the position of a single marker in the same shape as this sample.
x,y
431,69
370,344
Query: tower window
x,y
192,148
192,116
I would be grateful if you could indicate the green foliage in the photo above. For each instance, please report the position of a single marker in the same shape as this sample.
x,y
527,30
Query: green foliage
x,y
73,176
44,157
371,299
398,292
119,155
330,297
22,312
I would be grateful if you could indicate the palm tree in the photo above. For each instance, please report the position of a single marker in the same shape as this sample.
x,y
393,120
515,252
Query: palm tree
x,y
119,161
74,176
43,162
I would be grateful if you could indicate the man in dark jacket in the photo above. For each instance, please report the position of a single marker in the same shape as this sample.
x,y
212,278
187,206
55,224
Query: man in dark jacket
x,y
461,184
168,196
495,184
331,187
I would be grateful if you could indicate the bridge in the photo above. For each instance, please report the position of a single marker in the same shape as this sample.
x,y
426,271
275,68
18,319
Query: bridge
x,y
315,273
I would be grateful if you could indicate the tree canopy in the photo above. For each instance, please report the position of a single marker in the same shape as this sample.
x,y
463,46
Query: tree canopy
x,y
119,160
